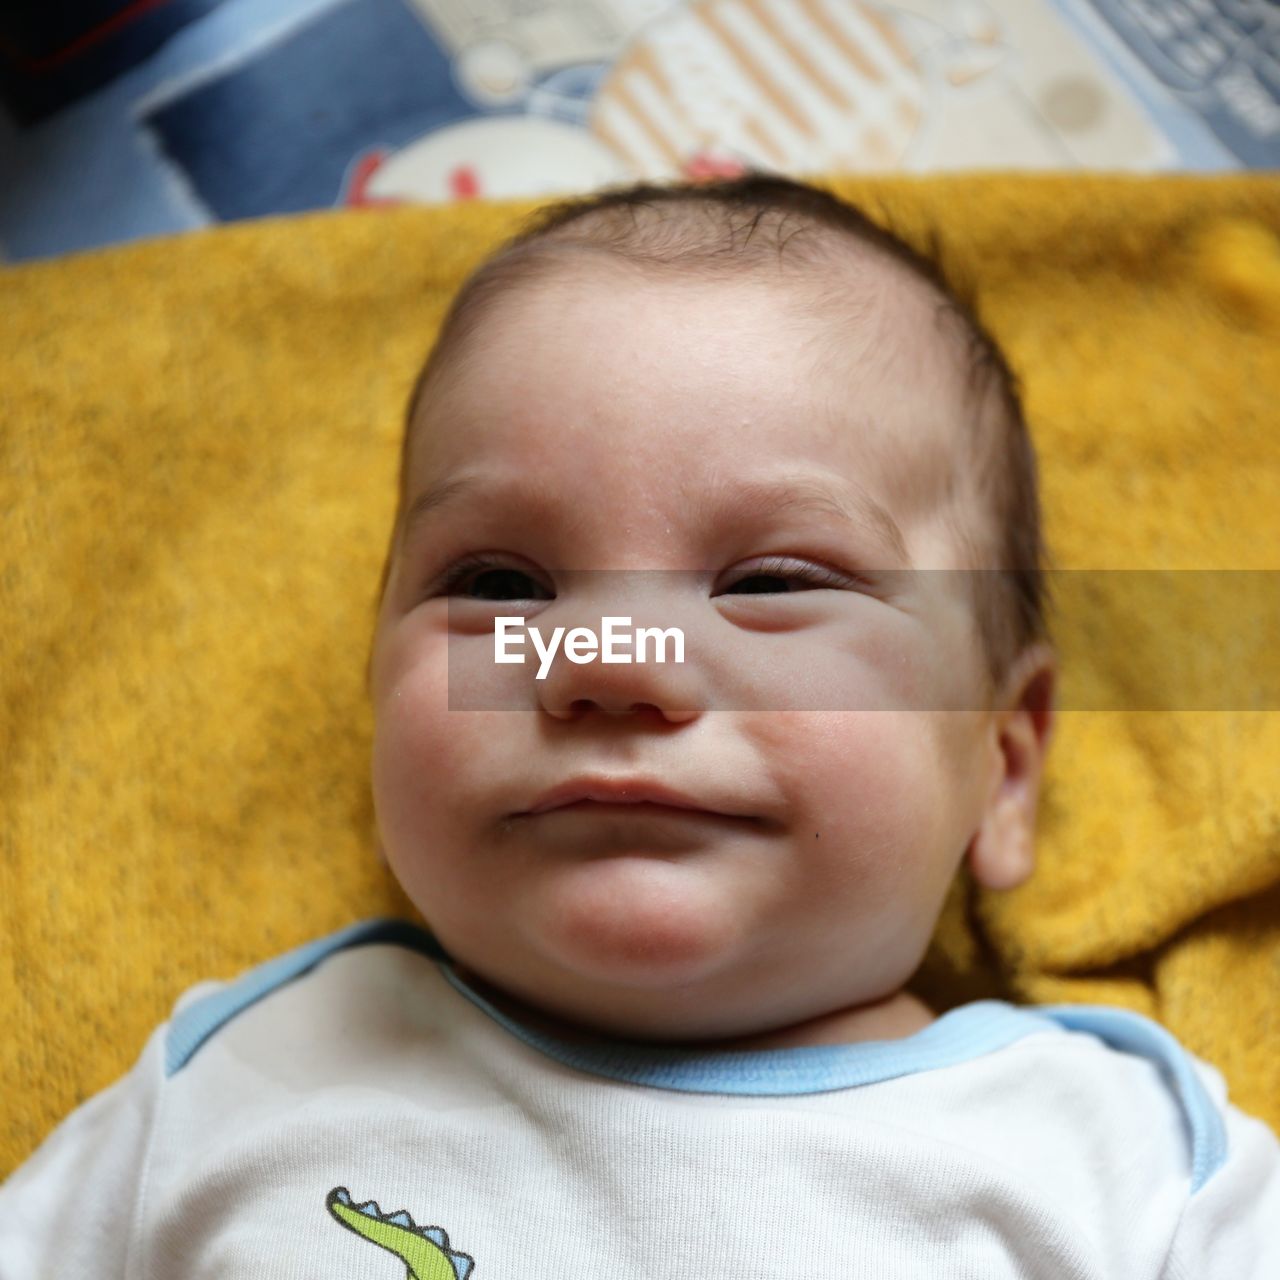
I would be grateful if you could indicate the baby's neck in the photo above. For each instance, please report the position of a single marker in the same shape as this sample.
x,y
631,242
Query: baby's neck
x,y
894,1018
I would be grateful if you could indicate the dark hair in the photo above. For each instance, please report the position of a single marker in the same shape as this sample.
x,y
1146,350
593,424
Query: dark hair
x,y
726,228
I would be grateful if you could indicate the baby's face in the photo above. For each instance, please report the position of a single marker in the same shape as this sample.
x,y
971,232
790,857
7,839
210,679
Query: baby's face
x,y
610,423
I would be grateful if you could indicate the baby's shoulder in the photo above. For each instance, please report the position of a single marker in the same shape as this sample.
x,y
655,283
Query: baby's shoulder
x,y
1126,1072
297,994
1094,1089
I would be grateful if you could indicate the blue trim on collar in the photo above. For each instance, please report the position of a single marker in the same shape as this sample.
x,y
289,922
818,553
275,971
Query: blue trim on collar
x,y
963,1033
966,1032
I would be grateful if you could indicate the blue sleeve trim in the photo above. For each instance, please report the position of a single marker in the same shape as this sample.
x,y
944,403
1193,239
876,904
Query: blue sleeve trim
x,y
189,1029
1134,1033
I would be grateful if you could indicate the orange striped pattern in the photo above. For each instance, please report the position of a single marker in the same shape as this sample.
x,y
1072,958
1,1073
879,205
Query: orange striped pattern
x,y
796,85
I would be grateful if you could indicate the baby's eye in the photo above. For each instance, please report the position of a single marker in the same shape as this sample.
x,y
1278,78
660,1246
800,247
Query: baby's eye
x,y
494,581
779,569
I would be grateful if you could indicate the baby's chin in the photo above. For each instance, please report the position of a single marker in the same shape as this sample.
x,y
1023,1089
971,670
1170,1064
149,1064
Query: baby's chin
x,y
638,921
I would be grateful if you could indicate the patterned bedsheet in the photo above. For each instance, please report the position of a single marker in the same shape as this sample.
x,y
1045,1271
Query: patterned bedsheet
x,y
175,116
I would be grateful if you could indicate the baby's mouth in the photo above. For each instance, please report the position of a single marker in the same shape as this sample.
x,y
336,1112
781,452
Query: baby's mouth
x,y
635,796
644,809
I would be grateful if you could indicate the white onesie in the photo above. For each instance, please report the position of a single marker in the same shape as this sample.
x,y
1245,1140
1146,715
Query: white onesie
x,y
353,1109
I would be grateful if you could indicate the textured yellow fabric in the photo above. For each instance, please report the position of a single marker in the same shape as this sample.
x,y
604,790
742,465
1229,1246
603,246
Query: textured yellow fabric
x,y
198,443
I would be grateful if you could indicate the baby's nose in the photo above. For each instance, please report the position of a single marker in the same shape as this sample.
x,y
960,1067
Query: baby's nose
x,y
637,659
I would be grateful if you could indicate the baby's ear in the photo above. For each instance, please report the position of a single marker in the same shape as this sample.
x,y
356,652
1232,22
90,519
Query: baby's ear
x,y
1002,853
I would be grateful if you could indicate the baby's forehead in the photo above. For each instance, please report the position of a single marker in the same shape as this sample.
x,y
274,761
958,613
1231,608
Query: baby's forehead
x,y
876,350
867,320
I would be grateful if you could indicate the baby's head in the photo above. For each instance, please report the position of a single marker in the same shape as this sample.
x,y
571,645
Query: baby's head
x,y
748,382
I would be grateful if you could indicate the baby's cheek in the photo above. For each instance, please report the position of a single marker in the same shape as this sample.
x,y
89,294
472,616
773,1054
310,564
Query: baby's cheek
x,y
411,757
879,787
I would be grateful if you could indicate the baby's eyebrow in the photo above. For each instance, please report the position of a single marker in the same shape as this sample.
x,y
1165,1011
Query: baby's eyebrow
x,y
493,490
752,499
434,497
809,494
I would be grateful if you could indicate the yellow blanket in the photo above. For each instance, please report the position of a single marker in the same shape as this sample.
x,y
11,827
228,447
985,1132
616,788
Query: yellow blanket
x,y
198,441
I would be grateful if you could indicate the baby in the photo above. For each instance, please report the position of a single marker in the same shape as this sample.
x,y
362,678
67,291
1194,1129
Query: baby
x,y
661,1022
760,385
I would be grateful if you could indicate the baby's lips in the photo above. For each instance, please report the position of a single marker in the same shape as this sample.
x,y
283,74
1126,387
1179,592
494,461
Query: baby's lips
x,y
631,790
